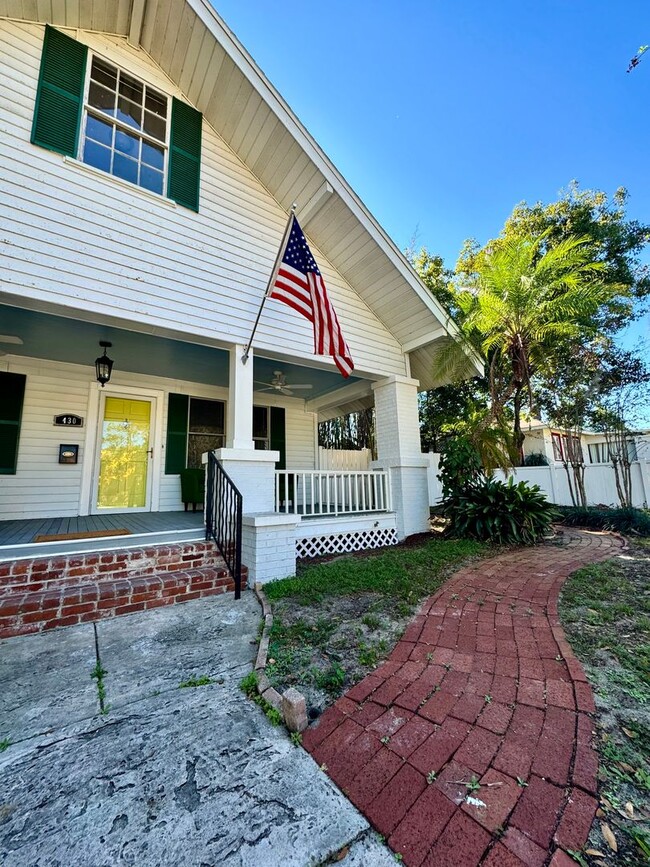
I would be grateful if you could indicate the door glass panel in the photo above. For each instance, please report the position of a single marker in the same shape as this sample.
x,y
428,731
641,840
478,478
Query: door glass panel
x,y
124,458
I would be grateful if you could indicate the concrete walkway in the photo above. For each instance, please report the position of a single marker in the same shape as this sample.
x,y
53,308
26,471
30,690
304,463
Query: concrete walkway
x,y
169,776
473,743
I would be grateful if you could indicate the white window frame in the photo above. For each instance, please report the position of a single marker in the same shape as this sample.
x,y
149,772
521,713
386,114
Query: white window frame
x,y
124,126
267,439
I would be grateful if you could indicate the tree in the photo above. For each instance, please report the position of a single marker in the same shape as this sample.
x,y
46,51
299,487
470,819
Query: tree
x,y
523,301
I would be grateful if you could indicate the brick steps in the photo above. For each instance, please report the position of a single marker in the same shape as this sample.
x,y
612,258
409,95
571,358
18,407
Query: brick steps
x,y
46,573
25,611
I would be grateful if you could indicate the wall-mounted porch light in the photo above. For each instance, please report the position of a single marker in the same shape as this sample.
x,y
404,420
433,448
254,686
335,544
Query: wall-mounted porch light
x,y
103,365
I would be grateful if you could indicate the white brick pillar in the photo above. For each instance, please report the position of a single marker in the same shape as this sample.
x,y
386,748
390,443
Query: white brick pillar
x,y
397,428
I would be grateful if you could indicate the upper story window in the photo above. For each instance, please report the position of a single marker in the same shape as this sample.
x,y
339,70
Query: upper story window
x,y
125,130
89,109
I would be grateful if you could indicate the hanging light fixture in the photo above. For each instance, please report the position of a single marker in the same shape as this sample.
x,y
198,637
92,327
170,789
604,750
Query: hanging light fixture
x,y
104,365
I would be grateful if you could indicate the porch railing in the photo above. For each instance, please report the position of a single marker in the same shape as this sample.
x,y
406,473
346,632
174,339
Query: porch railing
x,y
223,517
331,492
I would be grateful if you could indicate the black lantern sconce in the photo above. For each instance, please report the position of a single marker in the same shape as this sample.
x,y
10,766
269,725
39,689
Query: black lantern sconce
x,y
104,365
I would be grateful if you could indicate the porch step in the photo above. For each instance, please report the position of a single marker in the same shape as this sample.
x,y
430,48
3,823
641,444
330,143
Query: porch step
x,y
24,612
45,573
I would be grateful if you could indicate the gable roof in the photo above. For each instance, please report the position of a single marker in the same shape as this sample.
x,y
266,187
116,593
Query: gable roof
x,y
195,48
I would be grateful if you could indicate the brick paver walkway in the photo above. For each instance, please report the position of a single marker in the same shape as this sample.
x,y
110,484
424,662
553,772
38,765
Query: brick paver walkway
x,y
483,685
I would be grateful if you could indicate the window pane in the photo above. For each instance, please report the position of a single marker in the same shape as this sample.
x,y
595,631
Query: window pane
x,y
206,416
128,112
125,168
131,89
101,98
153,156
155,103
150,179
260,445
197,444
260,421
96,155
104,73
154,126
127,144
99,130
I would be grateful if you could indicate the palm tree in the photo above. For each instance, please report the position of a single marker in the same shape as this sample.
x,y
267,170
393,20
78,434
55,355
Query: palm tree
x,y
522,305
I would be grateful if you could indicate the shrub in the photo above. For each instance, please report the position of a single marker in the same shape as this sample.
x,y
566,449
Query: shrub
x,y
535,459
492,511
621,520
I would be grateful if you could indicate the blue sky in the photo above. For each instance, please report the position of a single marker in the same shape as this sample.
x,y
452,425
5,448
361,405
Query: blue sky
x,y
444,115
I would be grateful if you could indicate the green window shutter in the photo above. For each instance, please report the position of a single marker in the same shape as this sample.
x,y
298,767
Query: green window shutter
x,y
185,155
12,392
59,98
176,450
278,436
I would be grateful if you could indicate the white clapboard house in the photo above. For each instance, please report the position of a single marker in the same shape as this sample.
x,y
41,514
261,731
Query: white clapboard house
x,y
147,170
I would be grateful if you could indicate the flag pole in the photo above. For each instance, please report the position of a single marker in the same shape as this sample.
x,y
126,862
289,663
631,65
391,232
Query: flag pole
x,y
272,278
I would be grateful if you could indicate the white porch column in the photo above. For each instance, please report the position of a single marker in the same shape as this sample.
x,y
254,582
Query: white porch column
x,y
398,451
239,428
268,540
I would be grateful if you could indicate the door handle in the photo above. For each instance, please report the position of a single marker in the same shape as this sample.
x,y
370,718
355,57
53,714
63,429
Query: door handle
x,y
150,452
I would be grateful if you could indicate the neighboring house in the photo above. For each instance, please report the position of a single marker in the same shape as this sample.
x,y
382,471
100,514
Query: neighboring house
x,y
551,442
147,171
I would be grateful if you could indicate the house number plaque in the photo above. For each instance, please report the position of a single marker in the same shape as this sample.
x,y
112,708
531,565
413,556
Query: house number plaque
x,y
68,420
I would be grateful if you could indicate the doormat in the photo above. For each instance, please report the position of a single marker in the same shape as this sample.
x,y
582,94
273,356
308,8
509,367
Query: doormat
x,y
90,534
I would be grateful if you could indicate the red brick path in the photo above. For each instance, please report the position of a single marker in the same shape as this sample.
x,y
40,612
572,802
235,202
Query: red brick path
x,y
482,685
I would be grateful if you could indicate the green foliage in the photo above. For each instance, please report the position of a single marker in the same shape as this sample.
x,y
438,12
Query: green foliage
x,y
5,743
248,684
536,459
296,739
402,573
503,514
97,674
636,521
203,680
332,679
460,469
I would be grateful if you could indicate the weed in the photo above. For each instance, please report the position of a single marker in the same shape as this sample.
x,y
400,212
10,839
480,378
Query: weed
x,y
473,785
371,621
368,655
272,714
488,699
97,674
203,680
447,666
521,782
385,740
429,657
5,743
296,739
332,679
431,777
577,857
248,684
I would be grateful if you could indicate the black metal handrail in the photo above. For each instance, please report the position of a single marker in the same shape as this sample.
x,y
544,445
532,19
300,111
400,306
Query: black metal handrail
x,y
223,517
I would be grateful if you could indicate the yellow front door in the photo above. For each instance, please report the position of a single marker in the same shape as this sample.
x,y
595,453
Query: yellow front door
x,y
124,454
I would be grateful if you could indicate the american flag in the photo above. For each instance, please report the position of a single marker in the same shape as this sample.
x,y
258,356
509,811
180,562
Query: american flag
x,y
300,285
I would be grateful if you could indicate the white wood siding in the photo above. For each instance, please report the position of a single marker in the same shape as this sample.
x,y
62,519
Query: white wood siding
x,y
44,488
157,264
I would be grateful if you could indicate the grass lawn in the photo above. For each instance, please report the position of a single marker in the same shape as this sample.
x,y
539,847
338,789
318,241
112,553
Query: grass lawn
x,y
605,611
335,621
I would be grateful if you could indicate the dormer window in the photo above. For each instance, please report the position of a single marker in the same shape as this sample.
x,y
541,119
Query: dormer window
x,y
125,131
88,109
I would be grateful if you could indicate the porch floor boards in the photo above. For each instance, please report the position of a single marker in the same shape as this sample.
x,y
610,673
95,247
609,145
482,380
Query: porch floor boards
x,y
23,531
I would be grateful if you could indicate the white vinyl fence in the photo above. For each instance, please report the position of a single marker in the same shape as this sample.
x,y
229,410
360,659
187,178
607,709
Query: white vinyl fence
x,y
600,482
344,459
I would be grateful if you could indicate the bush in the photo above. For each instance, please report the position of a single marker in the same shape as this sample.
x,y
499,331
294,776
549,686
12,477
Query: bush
x,y
487,510
505,514
621,520
535,459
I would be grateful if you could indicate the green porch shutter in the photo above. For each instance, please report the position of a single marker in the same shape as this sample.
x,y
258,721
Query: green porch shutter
x,y
59,98
278,436
12,393
176,449
185,155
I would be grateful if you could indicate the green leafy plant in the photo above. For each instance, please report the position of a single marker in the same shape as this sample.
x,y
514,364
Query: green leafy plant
x,y
500,513
536,459
97,674
5,743
635,521
296,739
332,679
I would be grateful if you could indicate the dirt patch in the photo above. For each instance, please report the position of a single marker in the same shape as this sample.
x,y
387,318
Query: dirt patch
x,y
605,610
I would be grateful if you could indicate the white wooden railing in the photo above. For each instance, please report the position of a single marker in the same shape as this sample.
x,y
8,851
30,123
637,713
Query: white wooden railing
x,y
331,492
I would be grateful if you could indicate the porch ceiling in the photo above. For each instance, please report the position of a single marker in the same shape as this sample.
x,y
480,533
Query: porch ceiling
x,y
195,48
59,338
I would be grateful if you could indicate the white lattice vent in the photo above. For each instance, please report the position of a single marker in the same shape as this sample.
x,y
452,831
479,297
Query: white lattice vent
x,y
342,543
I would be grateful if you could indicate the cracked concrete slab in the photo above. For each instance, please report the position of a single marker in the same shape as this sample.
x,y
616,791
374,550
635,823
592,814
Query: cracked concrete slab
x,y
45,681
193,776
152,652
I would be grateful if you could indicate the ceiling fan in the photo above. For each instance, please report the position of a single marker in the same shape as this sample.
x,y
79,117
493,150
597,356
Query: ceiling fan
x,y
279,383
